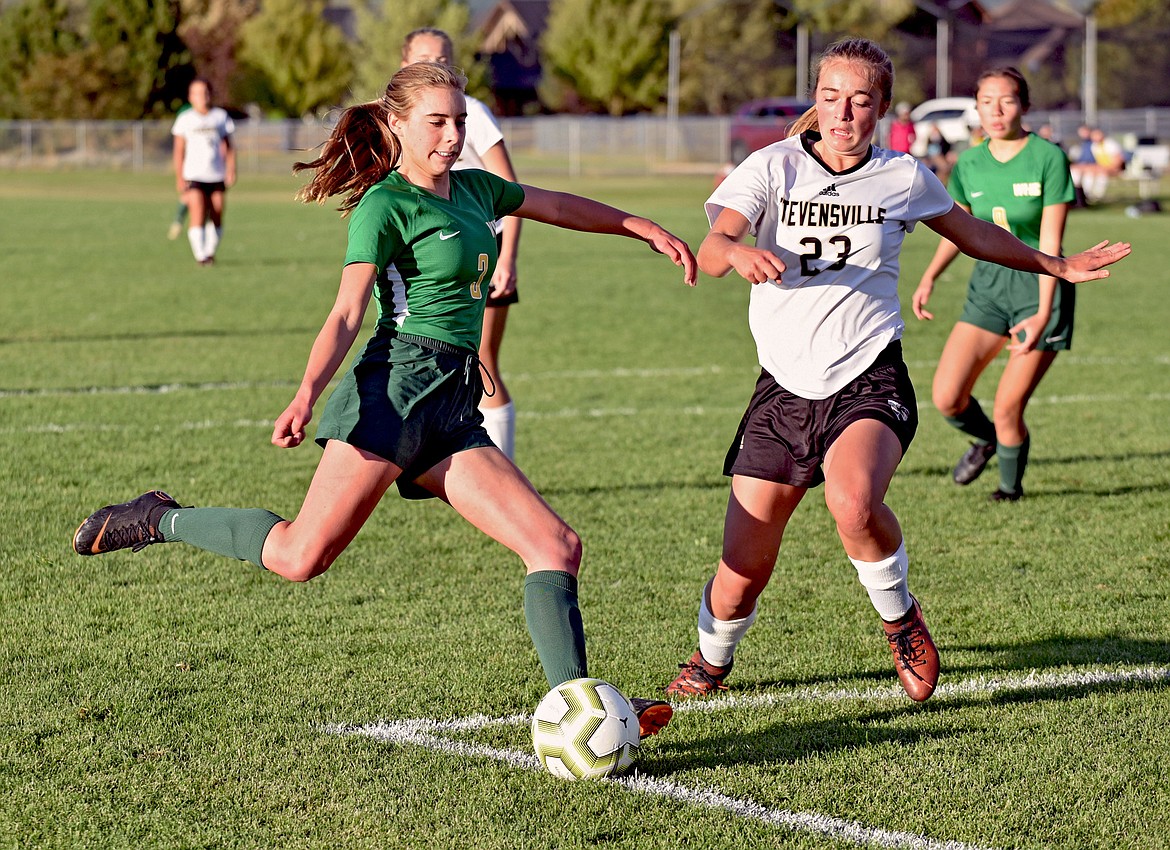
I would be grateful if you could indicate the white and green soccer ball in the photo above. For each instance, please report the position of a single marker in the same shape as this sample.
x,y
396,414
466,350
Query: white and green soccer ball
x,y
585,729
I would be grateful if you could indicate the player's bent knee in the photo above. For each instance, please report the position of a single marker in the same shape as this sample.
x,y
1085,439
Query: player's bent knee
x,y
852,510
300,565
561,550
948,403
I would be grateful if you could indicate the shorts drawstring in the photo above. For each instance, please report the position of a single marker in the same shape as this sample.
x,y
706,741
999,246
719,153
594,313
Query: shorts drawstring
x,y
483,369
471,360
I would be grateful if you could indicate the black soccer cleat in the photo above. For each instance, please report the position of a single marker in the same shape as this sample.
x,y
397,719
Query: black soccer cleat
x,y
653,715
973,462
131,525
1001,495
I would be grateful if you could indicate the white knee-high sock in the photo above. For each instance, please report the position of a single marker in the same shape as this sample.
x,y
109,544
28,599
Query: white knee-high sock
x,y
718,638
195,237
500,423
211,235
885,582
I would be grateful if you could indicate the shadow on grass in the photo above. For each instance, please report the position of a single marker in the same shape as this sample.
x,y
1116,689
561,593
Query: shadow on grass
x,y
856,730
910,471
1056,652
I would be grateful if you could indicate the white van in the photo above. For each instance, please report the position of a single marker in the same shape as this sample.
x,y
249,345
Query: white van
x,y
955,117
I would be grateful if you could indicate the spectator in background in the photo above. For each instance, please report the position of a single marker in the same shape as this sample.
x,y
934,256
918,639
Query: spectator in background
x,y
1082,164
1108,159
938,152
902,135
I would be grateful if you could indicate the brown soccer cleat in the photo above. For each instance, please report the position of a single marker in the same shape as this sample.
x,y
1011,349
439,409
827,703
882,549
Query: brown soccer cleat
x,y
132,525
653,715
697,678
915,656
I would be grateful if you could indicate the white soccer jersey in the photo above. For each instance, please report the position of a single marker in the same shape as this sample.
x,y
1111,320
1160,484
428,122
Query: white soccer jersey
x,y
483,133
839,235
203,160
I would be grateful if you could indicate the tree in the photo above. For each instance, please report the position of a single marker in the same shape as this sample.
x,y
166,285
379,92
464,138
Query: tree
x,y
612,54
30,32
136,44
1134,53
211,31
300,61
121,60
382,26
718,42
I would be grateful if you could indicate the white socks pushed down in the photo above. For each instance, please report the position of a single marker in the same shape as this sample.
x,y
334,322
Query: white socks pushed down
x,y
204,240
718,638
885,582
500,423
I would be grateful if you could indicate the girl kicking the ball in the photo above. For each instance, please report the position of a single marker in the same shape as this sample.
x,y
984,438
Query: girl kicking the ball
x,y
406,411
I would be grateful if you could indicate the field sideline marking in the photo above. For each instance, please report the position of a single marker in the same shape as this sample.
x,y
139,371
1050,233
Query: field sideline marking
x,y
430,734
563,413
557,375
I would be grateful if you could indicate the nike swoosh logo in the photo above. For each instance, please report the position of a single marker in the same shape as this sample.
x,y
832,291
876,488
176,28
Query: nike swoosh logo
x,y
976,194
1055,338
95,547
443,237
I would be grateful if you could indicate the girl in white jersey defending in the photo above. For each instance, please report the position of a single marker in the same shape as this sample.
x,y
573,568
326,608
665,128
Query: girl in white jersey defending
x,y
833,402
406,411
205,167
484,149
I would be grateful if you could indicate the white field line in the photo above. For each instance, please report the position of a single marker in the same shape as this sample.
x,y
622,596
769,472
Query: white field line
x,y
414,733
432,735
618,373
563,413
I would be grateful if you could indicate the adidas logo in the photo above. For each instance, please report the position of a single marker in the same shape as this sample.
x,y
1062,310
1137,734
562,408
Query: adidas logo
x,y
830,190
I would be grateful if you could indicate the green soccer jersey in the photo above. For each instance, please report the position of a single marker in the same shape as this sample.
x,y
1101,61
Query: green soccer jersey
x,y
1013,194
435,256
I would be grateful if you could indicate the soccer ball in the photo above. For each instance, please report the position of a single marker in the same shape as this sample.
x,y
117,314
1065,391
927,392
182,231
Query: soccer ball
x,y
585,729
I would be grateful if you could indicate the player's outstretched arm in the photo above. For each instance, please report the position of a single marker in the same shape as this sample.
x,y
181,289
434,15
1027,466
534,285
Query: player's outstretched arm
x,y
1090,264
333,342
577,213
723,251
986,241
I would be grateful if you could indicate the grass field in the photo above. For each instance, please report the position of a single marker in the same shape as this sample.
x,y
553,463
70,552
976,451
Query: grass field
x,y
174,699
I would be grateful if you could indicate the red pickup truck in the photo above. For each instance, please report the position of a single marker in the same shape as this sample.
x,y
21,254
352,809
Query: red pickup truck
x,y
758,123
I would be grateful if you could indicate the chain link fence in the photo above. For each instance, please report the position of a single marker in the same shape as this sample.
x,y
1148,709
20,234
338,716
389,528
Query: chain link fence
x,y
556,144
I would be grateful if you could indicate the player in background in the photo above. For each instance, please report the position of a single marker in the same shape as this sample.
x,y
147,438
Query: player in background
x,y
484,149
833,402
1021,183
180,220
205,167
405,412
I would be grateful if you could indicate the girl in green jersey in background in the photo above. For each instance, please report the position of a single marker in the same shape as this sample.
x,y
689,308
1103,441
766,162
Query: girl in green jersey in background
x,y
1020,182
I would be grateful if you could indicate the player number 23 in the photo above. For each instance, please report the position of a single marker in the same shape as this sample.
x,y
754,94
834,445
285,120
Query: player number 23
x,y
477,287
816,251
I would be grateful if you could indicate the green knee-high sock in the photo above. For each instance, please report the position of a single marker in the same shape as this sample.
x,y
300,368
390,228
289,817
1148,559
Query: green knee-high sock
x,y
974,422
554,622
235,532
1013,460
